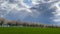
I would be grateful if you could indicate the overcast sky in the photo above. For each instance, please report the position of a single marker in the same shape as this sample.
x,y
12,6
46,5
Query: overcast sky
x,y
43,11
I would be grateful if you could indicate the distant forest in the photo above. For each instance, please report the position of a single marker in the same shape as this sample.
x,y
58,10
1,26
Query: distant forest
x,y
6,22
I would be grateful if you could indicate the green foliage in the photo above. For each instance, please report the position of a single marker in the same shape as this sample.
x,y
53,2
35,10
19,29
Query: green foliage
x,y
29,30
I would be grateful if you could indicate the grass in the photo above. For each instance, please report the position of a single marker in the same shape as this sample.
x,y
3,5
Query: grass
x,y
25,30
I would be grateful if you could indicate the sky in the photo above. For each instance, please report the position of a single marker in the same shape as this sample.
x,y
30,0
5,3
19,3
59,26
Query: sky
x,y
42,11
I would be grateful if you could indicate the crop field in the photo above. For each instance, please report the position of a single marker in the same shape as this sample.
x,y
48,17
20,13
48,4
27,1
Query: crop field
x,y
28,30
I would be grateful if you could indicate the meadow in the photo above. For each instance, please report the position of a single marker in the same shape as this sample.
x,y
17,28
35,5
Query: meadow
x,y
28,30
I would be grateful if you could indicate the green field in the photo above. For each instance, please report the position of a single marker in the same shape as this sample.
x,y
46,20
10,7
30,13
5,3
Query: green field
x,y
25,30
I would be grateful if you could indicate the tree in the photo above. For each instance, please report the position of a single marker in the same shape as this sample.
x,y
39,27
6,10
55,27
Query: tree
x,y
1,22
41,25
9,24
24,24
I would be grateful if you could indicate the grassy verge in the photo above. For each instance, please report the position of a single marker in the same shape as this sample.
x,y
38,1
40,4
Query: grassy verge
x,y
25,30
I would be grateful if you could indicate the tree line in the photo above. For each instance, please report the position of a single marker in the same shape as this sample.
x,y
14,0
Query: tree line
x,y
24,24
